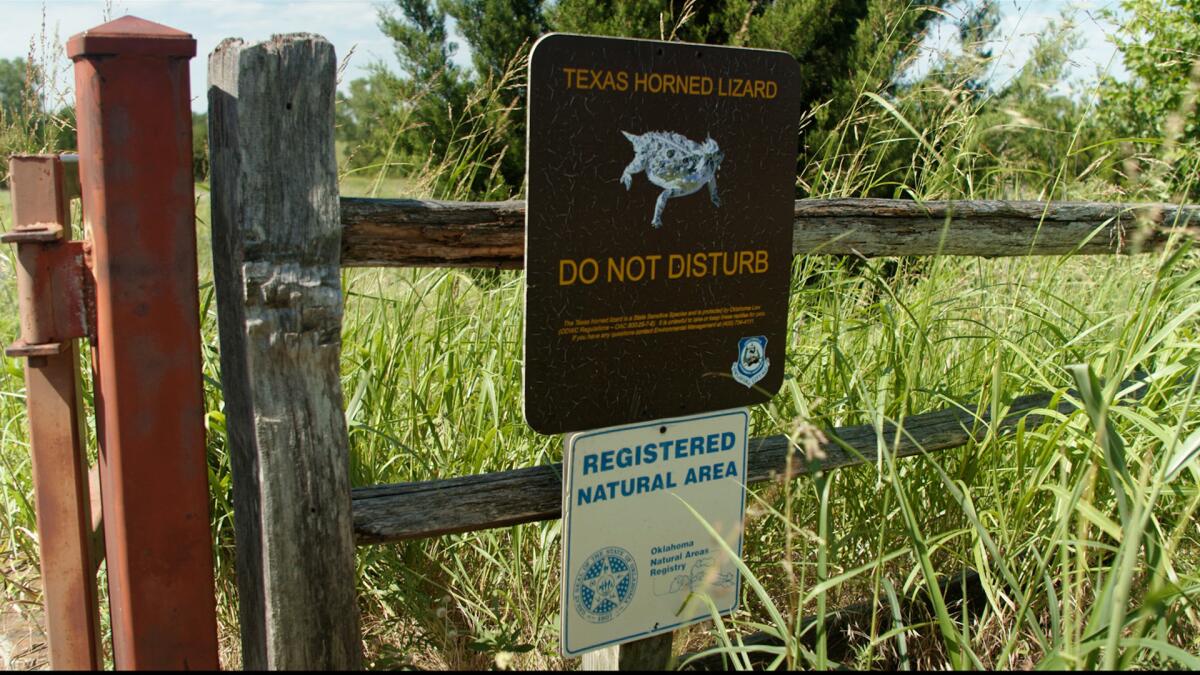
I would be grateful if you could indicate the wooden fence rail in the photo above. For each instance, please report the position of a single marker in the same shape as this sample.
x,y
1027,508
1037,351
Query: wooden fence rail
x,y
414,232
385,513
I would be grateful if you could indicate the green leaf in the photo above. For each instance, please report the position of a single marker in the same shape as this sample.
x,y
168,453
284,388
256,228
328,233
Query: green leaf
x,y
1184,454
1091,392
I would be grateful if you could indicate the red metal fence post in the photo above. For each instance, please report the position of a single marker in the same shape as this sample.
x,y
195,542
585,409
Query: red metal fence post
x,y
52,311
135,146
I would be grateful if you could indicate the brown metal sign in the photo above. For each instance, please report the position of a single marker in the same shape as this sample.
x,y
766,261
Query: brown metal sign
x,y
659,229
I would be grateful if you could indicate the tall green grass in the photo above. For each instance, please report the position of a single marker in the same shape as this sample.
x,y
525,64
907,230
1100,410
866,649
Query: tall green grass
x,y
1082,530
432,385
1086,553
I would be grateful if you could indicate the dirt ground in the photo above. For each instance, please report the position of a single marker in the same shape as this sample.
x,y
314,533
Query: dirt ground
x,y
22,637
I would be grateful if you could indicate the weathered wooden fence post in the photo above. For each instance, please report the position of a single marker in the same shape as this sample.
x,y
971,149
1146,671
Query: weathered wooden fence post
x,y
276,246
652,653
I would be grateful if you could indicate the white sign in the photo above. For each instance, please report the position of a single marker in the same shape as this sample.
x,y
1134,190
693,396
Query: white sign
x,y
636,561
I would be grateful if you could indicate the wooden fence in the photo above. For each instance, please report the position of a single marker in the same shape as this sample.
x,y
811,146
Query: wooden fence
x,y
281,236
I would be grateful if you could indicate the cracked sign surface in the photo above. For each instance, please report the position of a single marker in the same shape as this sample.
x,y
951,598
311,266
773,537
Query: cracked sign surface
x,y
659,229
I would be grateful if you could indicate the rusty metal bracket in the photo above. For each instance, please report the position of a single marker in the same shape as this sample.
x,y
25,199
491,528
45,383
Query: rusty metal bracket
x,y
37,233
54,290
20,349
53,287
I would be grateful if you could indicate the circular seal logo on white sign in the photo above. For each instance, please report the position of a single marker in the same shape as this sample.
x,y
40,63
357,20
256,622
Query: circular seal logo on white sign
x,y
605,584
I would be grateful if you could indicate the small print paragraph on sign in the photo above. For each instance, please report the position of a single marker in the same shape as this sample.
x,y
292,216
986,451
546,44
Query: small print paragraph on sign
x,y
607,328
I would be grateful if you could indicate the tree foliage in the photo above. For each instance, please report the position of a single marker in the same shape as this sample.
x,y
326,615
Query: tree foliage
x,y
411,118
1022,135
200,163
847,47
1156,104
497,31
13,76
29,122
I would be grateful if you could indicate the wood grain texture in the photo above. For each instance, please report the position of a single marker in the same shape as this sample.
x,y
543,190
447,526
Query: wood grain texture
x,y
419,233
652,653
647,654
401,511
605,658
275,257
411,232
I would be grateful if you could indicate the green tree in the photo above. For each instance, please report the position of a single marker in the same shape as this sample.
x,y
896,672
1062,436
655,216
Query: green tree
x,y
390,119
1023,136
846,46
706,22
1036,140
1156,105
28,123
13,77
371,119
497,30
501,33
200,146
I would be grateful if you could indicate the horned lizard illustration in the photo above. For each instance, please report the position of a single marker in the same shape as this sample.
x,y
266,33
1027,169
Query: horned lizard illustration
x,y
678,165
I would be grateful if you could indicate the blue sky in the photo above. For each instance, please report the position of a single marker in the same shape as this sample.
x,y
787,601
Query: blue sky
x,y
351,25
